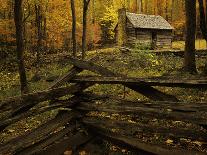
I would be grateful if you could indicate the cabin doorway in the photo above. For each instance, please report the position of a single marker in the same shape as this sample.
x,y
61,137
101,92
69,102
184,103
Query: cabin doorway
x,y
154,40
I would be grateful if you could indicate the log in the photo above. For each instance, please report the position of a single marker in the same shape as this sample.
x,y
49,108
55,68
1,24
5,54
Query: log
x,y
38,134
34,98
69,103
38,147
137,144
72,73
146,90
10,119
129,129
175,106
21,104
70,142
151,110
27,101
156,81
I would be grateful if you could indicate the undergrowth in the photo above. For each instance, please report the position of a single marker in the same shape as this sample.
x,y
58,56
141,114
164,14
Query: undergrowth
x,y
139,64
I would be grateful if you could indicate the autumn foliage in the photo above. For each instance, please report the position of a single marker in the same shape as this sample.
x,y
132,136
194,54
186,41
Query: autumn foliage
x,y
56,21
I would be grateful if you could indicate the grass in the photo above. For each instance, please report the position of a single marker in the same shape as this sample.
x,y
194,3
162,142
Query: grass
x,y
200,44
133,64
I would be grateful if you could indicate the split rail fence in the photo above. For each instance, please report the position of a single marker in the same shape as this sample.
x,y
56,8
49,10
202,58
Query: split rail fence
x,y
61,133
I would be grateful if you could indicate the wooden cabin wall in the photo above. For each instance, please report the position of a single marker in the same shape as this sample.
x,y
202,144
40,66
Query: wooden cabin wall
x,y
164,39
130,31
137,36
143,37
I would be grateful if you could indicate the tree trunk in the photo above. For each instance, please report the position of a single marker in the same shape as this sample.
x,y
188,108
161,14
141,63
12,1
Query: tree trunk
x,y
189,58
73,27
85,9
155,7
44,35
166,10
128,5
122,27
139,6
203,27
172,10
20,44
202,19
159,8
135,6
39,30
206,40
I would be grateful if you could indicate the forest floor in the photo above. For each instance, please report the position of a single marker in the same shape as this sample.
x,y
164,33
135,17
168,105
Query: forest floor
x,y
133,64
199,44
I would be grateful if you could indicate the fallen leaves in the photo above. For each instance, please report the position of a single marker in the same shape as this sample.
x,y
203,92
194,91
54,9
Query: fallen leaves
x,y
169,141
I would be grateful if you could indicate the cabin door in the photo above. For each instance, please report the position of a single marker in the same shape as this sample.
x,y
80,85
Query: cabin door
x,y
154,40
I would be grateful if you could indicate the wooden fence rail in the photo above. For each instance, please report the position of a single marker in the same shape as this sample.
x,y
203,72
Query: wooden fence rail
x,y
182,83
62,132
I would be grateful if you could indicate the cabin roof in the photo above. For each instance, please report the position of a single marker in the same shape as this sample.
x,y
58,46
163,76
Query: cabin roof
x,y
148,21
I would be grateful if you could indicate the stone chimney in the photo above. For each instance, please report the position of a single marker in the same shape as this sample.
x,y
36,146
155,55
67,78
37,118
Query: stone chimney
x,y
122,27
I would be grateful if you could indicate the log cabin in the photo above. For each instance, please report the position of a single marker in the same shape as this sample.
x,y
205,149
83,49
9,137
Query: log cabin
x,y
145,30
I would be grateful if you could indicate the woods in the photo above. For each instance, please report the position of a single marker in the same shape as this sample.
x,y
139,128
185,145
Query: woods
x,y
103,77
50,23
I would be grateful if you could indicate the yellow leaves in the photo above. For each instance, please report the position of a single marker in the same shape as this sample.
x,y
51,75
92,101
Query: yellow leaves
x,y
8,80
169,141
11,130
114,130
130,121
198,143
114,148
110,14
109,20
124,151
68,153
82,153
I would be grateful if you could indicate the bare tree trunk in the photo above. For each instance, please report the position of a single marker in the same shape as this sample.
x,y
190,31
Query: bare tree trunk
x,y
203,26
166,10
172,10
135,6
140,10
155,7
18,15
128,5
85,9
206,21
146,7
73,27
39,30
44,35
122,41
189,59
25,17
159,8
203,17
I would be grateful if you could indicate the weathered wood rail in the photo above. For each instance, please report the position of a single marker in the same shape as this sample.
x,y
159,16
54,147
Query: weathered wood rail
x,y
63,132
166,82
